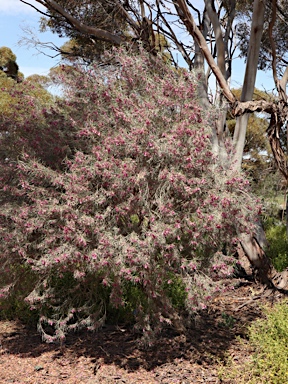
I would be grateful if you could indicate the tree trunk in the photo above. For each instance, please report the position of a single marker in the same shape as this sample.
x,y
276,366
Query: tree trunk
x,y
254,246
250,78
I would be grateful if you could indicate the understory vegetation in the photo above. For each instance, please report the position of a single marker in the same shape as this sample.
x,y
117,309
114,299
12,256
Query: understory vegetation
x,y
278,244
268,338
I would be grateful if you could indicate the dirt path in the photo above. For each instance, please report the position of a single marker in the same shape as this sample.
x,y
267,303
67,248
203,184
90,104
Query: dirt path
x,y
113,354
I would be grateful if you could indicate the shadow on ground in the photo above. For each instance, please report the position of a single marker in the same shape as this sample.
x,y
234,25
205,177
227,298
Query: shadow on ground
x,y
209,338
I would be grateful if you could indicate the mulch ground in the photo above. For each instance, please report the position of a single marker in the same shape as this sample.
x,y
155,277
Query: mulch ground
x,y
114,354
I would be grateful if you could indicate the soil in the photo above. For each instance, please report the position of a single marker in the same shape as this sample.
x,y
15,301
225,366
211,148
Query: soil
x,y
114,354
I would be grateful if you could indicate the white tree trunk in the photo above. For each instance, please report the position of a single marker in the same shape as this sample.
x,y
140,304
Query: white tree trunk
x,y
250,78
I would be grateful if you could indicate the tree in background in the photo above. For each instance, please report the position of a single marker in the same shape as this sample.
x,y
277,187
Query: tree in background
x,y
8,66
201,35
142,208
30,124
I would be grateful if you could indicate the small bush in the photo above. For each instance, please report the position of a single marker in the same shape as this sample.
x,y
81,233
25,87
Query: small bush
x,y
269,336
268,339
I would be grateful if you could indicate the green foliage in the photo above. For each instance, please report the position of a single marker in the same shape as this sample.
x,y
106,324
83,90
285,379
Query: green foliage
x,y
279,34
134,299
8,65
14,306
257,94
278,246
104,15
6,55
269,336
176,291
134,304
228,321
268,339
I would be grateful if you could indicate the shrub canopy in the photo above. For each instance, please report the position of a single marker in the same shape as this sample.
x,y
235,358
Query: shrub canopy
x,y
141,207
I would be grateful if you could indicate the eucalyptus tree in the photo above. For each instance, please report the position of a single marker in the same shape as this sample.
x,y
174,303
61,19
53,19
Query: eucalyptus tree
x,y
8,65
206,35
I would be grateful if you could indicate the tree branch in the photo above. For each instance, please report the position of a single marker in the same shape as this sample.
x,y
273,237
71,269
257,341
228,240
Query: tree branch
x,y
188,20
37,9
170,33
210,7
273,51
254,106
283,85
98,33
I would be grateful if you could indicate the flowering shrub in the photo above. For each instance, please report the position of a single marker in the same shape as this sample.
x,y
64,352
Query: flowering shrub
x,y
31,123
28,122
142,211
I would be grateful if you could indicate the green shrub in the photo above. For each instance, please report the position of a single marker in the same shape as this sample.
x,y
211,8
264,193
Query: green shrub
x,y
14,306
175,289
278,246
269,336
269,339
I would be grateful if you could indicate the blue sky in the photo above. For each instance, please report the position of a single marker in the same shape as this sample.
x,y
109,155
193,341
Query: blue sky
x,y
15,15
